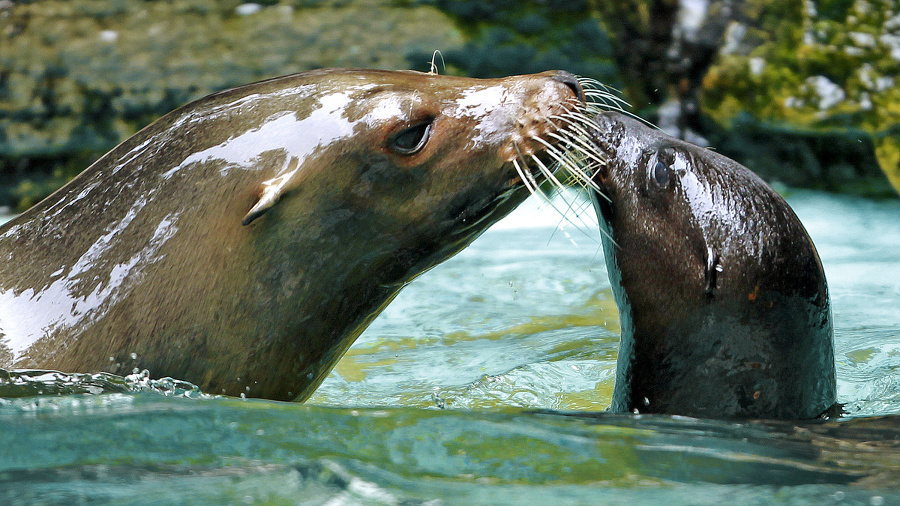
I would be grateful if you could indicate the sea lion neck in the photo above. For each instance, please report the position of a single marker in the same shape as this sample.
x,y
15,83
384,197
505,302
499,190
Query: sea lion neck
x,y
722,297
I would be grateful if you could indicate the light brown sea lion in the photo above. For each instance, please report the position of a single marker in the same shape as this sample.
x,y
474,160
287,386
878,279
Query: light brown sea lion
x,y
243,241
723,301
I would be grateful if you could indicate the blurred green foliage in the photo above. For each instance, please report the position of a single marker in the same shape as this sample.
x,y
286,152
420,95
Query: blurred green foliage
x,y
828,68
505,37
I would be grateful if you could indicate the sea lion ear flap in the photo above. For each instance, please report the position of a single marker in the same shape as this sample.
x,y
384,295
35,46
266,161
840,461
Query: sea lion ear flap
x,y
269,196
271,193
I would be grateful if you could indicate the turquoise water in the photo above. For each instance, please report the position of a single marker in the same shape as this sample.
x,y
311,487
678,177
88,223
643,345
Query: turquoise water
x,y
519,323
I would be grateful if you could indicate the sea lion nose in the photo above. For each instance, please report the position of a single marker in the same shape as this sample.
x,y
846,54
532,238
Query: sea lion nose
x,y
571,81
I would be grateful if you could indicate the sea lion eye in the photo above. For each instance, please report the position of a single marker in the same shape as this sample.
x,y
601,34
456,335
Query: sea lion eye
x,y
412,140
661,175
659,172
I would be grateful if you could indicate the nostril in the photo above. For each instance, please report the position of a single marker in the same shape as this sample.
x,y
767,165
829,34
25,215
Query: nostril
x,y
571,81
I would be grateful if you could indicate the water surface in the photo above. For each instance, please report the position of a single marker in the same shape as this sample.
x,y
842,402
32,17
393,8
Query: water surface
x,y
521,322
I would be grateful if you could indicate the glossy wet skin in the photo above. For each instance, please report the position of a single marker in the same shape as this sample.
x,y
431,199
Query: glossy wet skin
x,y
244,241
723,301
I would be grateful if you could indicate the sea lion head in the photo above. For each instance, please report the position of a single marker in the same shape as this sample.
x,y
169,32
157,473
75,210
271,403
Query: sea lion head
x,y
243,241
723,301
426,163
422,157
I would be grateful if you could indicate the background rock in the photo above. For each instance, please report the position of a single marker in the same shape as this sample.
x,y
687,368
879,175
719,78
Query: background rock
x,y
800,91
78,77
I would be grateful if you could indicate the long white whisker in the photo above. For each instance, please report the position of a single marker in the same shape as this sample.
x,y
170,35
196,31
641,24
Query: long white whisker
x,y
577,121
570,141
563,161
575,143
595,87
580,176
526,179
546,171
526,174
583,147
543,168
605,101
569,203
585,123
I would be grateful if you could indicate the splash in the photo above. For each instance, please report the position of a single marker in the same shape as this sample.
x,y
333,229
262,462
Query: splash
x,y
19,383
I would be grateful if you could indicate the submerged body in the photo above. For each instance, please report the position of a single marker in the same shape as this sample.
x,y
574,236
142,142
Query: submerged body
x,y
724,306
243,241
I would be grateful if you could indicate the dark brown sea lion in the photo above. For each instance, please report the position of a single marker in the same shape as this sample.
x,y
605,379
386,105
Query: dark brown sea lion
x,y
243,241
724,307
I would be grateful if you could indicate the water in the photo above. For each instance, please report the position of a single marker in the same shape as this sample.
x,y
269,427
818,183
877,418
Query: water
x,y
519,323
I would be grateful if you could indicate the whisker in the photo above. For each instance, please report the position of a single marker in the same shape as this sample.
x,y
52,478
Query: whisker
x,y
543,168
580,122
564,214
525,176
534,188
596,88
568,142
562,160
583,147
570,205
592,108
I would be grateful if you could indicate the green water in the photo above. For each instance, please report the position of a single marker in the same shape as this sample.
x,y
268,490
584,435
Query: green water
x,y
519,323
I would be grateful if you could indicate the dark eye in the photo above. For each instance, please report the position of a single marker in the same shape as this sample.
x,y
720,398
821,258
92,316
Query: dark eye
x,y
660,174
411,140
661,171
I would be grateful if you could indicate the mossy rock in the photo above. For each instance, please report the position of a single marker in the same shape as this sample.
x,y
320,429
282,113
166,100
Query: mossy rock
x,y
825,67
78,77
